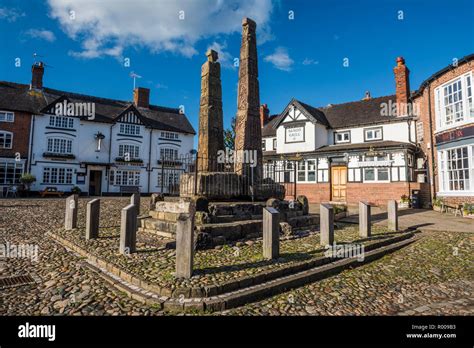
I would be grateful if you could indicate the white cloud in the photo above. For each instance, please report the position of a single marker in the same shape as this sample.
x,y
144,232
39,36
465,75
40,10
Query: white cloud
x,y
280,59
161,86
41,34
309,61
225,58
10,14
109,27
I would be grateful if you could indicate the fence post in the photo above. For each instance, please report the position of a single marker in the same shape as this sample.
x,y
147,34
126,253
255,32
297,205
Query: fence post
x,y
70,219
92,219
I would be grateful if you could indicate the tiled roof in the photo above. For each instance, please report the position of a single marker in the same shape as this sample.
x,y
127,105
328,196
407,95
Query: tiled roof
x,y
351,114
19,97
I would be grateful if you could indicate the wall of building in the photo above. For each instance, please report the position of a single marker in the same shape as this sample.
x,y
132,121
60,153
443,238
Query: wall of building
x,y
21,135
426,102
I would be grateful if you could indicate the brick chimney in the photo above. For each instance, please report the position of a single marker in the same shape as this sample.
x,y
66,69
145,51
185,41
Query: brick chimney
x,y
264,114
402,86
37,71
141,97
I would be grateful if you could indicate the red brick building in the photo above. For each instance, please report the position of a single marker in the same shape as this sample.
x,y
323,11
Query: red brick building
x,y
446,125
16,110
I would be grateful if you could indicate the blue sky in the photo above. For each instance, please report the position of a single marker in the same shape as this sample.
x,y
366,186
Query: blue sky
x,y
301,57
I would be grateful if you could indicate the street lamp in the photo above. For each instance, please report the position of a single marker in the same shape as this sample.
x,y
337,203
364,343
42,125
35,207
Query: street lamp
x,y
99,137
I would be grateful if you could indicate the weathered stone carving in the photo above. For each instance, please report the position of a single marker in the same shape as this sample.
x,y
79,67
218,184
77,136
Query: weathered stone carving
x,y
248,133
211,133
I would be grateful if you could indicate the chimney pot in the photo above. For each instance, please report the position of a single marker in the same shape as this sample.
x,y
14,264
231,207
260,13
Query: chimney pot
x,y
37,71
367,95
141,97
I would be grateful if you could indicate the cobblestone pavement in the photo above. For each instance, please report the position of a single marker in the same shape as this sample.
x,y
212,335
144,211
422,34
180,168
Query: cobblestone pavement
x,y
432,276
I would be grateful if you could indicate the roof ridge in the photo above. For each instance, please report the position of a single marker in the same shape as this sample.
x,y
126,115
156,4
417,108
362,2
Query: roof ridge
x,y
345,103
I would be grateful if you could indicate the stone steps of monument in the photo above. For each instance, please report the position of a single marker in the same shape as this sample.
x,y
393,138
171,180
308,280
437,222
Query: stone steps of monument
x,y
167,228
219,219
169,235
236,209
232,230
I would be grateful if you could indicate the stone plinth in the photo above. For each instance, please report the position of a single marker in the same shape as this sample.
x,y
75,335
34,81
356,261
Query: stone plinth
x,y
92,219
217,186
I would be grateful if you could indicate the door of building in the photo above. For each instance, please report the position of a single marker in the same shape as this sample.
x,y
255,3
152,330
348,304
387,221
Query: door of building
x,y
338,183
95,182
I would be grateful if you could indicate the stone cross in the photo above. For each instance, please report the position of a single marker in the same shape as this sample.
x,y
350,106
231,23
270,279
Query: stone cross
x,y
70,219
248,131
271,233
211,129
364,220
326,213
128,230
135,200
185,240
392,211
92,219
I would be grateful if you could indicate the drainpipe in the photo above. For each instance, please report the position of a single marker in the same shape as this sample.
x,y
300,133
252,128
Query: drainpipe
x,y
149,160
432,179
32,132
110,153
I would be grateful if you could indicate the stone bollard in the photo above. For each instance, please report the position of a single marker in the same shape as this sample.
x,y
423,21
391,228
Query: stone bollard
x,y
135,200
92,219
185,240
364,220
271,233
128,230
392,211
155,197
70,218
326,213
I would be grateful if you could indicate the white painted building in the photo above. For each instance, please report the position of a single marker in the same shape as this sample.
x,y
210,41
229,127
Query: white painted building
x,y
119,150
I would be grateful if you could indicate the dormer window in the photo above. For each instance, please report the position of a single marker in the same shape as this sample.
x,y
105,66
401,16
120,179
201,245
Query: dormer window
x,y
372,134
342,137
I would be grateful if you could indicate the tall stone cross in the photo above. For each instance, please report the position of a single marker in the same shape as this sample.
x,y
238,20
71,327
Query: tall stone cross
x,y
248,132
211,132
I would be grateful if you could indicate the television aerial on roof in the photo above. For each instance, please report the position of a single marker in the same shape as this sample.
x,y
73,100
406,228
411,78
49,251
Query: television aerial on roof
x,y
134,76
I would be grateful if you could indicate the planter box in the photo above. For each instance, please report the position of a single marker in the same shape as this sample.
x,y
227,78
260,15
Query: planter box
x,y
404,205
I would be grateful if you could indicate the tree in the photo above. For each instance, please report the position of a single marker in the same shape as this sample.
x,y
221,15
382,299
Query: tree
x,y
229,135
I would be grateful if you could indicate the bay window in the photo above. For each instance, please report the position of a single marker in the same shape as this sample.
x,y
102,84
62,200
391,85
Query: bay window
x,y
456,169
129,151
60,145
125,177
10,172
376,173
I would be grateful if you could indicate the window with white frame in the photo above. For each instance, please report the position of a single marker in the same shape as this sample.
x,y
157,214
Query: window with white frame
x,y
60,145
274,142
167,153
342,137
454,102
61,121
7,116
129,129
57,175
456,169
171,178
10,172
376,174
307,171
371,134
169,135
130,151
6,140
125,177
